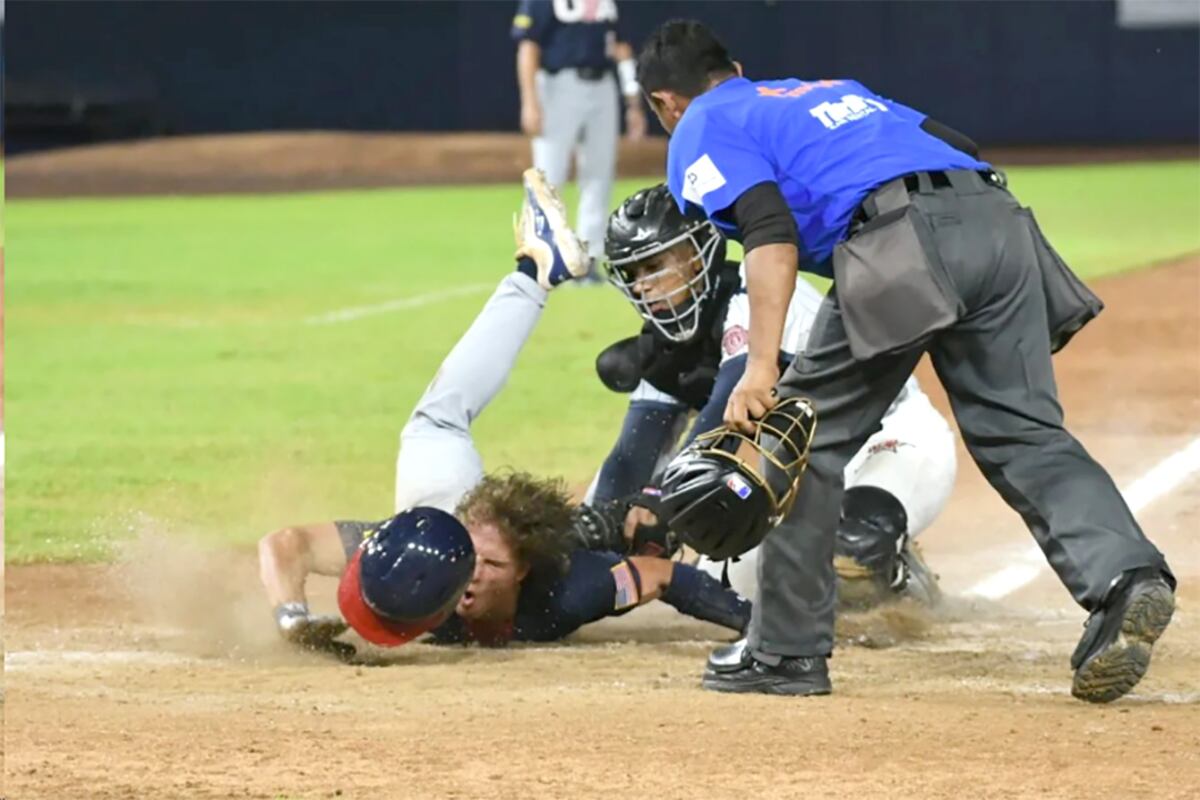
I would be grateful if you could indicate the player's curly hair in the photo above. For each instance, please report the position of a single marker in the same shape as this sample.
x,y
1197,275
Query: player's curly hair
x,y
533,515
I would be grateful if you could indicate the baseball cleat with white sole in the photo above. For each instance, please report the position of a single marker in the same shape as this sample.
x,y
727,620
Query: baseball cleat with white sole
x,y
544,236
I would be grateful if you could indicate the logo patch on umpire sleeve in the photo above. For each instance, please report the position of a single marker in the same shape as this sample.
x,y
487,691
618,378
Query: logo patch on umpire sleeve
x,y
738,486
627,587
701,178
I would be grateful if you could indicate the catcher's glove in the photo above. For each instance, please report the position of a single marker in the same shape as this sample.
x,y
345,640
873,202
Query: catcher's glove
x,y
311,632
604,527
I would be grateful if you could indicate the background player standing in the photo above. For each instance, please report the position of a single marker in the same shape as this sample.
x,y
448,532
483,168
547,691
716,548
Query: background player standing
x,y
566,54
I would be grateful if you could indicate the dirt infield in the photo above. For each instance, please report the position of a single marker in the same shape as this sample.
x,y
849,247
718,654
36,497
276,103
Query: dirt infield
x,y
160,677
310,160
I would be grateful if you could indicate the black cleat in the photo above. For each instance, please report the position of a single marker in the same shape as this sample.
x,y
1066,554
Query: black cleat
x,y
1114,652
734,668
875,559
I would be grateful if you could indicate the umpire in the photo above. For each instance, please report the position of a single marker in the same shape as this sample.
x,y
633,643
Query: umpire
x,y
929,253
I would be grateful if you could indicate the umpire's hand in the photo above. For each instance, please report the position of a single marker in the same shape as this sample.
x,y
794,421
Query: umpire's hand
x,y
753,396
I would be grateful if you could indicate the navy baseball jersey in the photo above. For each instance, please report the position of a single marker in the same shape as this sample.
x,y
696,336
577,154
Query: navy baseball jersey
x,y
571,33
826,143
552,607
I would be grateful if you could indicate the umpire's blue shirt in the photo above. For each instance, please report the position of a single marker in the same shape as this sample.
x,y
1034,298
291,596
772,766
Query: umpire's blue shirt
x,y
826,143
571,34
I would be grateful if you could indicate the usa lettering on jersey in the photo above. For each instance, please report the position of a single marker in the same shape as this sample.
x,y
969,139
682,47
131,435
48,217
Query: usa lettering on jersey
x,y
836,113
569,12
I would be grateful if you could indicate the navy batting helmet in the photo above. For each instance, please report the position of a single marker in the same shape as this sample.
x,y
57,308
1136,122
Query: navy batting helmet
x,y
406,577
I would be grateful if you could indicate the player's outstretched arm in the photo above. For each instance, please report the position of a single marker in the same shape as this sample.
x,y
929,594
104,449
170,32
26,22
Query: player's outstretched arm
x,y
691,591
286,558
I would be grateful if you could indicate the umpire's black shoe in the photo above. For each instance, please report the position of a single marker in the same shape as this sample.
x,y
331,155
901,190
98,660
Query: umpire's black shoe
x,y
1114,652
734,668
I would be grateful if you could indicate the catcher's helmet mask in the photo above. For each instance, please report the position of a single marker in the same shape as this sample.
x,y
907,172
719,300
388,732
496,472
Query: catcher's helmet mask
x,y
725,491
646,225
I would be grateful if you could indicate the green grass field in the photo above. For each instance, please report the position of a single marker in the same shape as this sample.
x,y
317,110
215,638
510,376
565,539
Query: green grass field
x,y
161,371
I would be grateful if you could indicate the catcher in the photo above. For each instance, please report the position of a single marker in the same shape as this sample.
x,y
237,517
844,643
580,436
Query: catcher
x,y
482,558
691,351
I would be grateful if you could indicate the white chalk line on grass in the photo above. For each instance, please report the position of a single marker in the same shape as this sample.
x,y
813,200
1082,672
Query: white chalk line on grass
x,y
1162,479
400,304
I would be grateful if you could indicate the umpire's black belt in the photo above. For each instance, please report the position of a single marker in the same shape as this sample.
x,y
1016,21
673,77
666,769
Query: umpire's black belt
x,y
895,193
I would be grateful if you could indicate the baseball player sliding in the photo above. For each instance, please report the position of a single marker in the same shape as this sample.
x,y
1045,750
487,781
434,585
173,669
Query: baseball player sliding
x,y
475,557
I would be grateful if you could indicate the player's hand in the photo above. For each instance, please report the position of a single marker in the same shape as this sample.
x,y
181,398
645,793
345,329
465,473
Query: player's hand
x,y
644,532
635,121
637,517
531,118
753,396
312,632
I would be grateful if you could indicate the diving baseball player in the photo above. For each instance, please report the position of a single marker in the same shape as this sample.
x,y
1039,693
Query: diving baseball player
x,y
569,64
539,567
692,350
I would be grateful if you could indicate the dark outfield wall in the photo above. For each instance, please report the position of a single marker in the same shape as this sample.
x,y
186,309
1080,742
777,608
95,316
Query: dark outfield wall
x,y
1005,72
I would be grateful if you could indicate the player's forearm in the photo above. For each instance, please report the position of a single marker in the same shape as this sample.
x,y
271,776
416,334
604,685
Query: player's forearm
x,y
702,596
655,574
709,417
627,72
282,566
529,60
770,281
647,434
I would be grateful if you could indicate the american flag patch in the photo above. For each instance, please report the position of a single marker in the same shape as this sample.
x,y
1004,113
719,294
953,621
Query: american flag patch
x,y
627,590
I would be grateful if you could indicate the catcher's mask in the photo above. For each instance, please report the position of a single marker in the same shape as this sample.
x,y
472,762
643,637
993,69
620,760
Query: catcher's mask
x,y
725,491
650,223
406,576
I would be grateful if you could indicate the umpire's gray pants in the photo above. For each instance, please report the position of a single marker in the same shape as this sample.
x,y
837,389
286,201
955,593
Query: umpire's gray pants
x,y
994,362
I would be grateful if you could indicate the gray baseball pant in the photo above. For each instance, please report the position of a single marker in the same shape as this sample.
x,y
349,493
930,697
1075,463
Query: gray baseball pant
x,y
580,117
438,462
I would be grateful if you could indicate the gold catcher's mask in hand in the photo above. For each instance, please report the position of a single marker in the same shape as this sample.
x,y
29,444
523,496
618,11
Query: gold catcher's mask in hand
x,y
725,491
